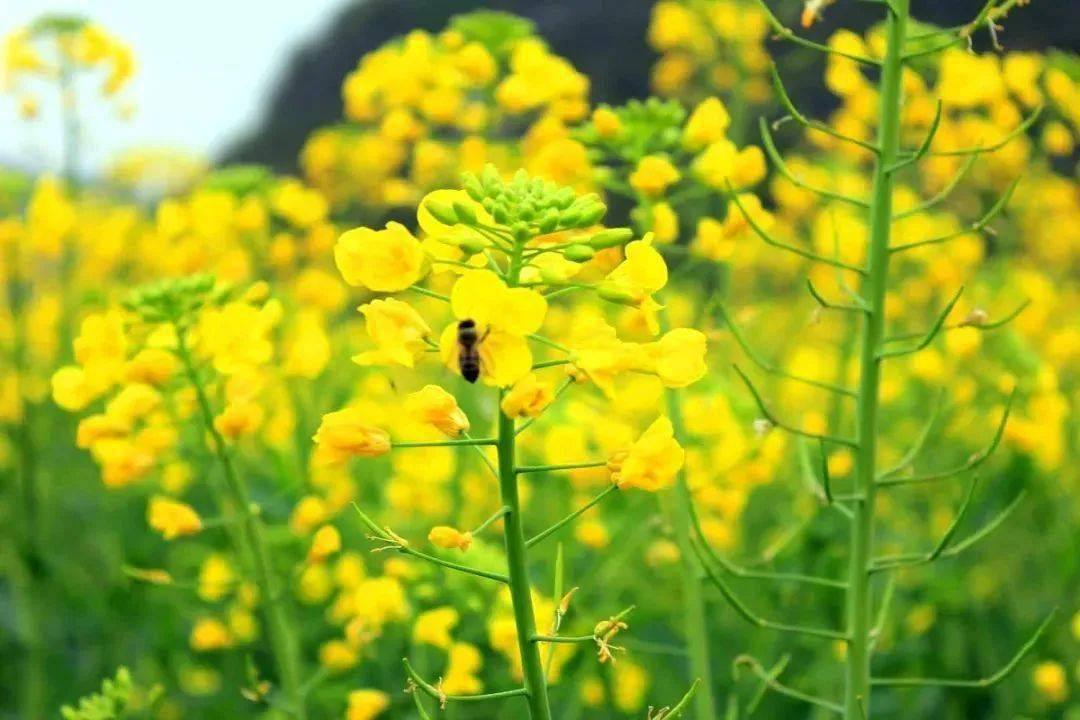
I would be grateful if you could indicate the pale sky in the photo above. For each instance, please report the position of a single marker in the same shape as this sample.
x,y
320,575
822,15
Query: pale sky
x,y
205,67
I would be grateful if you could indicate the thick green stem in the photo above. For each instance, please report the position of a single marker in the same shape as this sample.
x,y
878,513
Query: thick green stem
x,y
860,597
516,559
694,626
520,588
680,512
27,546
253,546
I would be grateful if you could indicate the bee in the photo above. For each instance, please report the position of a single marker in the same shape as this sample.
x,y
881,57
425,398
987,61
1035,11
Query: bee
x,y
469,349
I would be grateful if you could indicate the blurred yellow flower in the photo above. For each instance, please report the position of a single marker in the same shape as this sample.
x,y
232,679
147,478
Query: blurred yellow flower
x,y
450,538
386,260
432,405
171,518
652,461
344,434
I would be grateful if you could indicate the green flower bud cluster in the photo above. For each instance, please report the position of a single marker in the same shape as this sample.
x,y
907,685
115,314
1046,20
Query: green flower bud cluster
x,y
57,24
528,206
240,180
175,300
646,128
119,698
497,31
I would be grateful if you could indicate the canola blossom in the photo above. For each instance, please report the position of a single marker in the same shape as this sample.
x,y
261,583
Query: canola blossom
x,y
512,403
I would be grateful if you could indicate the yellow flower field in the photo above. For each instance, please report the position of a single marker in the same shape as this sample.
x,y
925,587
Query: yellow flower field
x,y
512,403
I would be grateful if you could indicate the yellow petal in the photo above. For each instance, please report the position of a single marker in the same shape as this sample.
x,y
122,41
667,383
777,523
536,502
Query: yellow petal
x,y
521,311
505,358
477,295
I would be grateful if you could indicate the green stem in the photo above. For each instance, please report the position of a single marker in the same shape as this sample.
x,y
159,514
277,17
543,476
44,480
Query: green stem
x,y
516,551
695,628
520,590
27,492
860,597
282,640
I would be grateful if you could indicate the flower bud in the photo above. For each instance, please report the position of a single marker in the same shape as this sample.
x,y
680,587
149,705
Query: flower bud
x,y
619,294
592,214
579,253
548,221
442,212
473,187
465,212
450,538
570,217
611,237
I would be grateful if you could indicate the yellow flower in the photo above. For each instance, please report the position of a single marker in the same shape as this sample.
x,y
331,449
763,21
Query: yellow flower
x,y
151,366
326,542
665,223
171,518
301,206
216,578
636,278
308,513
210,634
237,419
450,538
70,388
344,434
99,427
630,684
461,671
503,317
671,26
434,406
308,346
706,125
314,584
380,260
653,175
397,330
1050,680
101,349
366,704
237,335
527,398
606,122
653,460
337,656
717,163
678,358
433,627
600,355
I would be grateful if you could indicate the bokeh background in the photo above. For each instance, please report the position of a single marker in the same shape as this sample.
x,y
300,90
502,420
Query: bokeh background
x,y
228,83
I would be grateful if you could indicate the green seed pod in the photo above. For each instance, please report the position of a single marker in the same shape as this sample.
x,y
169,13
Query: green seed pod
x,y
579,253
442,212
465,212
612,237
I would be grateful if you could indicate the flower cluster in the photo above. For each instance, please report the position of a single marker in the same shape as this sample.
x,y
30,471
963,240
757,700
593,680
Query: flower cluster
x,y
57,48
421,109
